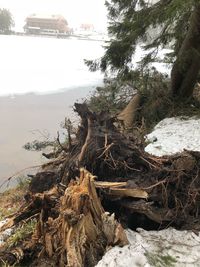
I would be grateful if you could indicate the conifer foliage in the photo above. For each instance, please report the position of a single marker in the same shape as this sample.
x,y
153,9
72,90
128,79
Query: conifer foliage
x,y
6,21
155,24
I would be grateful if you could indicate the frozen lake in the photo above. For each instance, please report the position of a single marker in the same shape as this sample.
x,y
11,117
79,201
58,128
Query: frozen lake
x,y
43,65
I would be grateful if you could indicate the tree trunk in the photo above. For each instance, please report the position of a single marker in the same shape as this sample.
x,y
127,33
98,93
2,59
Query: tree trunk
x,y
128,115
187,65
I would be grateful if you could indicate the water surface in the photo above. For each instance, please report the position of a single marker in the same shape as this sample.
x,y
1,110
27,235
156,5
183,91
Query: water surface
x,y
42,64
54,70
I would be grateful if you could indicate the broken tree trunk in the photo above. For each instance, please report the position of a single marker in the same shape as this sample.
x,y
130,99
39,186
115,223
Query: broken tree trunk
x,y
128,115
85,230
81,233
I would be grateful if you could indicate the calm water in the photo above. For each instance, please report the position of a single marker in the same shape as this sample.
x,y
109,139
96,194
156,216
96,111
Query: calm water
x,y
39,65
42,64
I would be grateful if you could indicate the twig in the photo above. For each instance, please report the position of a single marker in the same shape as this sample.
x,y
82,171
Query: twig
x,y
154,185
106,149
106,140
130,168
68,126
114,163
159,160
30,218
17,173
165,200
197,175
149,163
58,140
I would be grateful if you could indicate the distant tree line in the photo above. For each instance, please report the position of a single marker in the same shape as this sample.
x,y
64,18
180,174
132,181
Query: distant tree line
x,y
6,21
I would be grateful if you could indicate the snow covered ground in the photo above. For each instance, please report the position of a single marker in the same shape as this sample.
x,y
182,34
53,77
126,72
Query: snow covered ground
x,y
173,135
155,249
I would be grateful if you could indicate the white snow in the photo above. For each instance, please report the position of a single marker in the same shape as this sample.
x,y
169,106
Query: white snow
x,y
46,65
180,248
173,135
5,234
159,66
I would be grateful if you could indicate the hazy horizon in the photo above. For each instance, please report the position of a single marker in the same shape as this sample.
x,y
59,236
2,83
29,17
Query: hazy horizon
x,y
44,65
75,11
40,65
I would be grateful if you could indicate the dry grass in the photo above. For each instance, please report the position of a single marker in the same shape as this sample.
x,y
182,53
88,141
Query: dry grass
x,y
12,199
21,233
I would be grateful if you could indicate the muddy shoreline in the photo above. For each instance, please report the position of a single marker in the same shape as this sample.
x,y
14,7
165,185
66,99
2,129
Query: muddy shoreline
x,y
24,117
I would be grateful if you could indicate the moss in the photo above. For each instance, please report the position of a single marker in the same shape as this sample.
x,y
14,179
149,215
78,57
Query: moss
x,y
21,233
160,260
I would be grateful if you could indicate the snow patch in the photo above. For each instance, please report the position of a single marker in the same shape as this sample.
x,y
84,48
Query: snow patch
x,y
168,247
5,234
173,135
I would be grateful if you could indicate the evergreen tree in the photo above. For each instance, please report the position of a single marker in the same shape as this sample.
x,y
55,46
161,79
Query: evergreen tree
x,y
6,21
175,24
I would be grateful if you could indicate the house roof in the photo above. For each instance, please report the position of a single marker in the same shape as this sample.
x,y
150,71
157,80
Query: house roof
x,y
46,16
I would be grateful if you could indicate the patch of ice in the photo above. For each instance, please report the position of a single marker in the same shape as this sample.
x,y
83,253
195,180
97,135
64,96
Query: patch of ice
x,y
179,248
173,135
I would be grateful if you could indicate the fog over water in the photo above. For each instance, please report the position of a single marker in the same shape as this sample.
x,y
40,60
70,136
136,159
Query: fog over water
x,y
41,78
42,64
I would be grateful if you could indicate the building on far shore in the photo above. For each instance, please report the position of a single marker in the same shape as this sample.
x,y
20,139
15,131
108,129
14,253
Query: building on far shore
x,y
46,24
87,27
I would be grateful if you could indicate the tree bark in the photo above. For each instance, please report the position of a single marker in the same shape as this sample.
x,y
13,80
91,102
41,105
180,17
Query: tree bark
x,y
129,113
187,65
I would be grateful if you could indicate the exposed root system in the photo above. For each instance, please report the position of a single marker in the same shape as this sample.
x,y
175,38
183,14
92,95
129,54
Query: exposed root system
x,y
103,171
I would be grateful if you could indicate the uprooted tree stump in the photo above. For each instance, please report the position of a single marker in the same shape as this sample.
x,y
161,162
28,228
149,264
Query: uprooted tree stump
x,y
81,233
100,148
142,190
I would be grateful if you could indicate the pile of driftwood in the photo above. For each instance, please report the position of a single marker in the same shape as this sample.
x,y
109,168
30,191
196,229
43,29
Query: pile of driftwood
x,y
100,173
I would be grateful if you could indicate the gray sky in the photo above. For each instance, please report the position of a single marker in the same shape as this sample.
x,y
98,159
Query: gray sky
x,y
75,11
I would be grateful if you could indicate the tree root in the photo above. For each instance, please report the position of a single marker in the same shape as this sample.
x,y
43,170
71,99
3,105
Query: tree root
x,y
73,228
